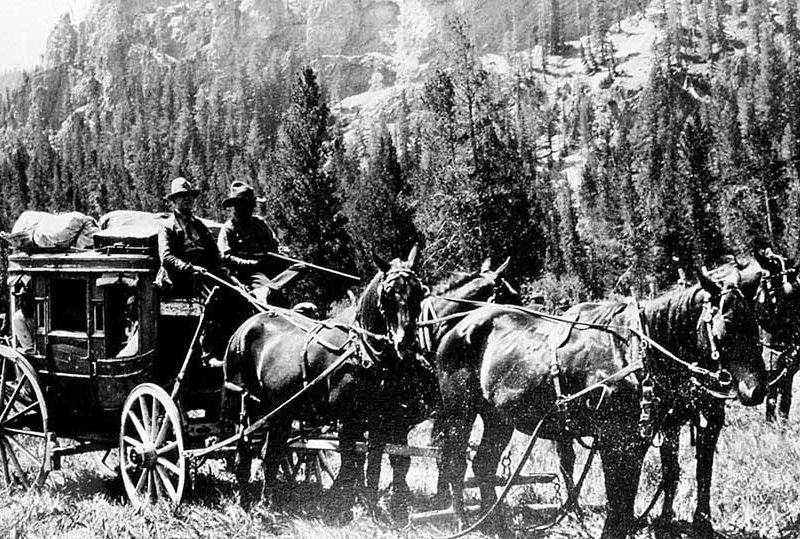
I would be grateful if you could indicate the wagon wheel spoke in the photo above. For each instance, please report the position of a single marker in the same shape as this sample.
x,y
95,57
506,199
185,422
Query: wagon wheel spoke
x,y
161,491
162,475
134,442
162,432
35,459
23,412
138,426
3,382
12,399
145,410
142,482
22,475
172,446
170,466
154,424
151,485
4,459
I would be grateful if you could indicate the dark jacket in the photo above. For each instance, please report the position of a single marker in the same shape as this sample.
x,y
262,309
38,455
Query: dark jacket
x,y
244,245
183,242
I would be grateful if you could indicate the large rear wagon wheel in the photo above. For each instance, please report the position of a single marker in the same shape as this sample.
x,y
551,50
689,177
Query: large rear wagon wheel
x,y
24,438
152,459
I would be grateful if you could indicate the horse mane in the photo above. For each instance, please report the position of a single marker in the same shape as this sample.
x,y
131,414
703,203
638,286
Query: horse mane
x,y
367,312
672,316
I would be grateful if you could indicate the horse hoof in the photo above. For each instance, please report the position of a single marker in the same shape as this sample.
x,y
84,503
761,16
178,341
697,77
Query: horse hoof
x,y
702,527
664,529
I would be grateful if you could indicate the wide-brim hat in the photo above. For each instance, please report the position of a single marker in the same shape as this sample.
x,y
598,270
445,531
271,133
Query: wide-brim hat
x,y
181,186
239,192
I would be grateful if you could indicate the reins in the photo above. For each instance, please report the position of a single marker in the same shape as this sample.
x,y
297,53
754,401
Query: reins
x,y
721,376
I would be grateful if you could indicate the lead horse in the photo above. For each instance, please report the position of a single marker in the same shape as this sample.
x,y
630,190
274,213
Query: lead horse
x,y
512,367
274,355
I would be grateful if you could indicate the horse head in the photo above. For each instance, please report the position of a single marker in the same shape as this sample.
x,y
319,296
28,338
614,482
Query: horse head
x,y
397,293
728,334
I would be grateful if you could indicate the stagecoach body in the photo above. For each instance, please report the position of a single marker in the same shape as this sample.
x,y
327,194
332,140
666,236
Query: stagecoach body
x,y
101,330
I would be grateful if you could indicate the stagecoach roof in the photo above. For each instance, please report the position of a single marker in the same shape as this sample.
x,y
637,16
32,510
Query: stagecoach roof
x,y
82,262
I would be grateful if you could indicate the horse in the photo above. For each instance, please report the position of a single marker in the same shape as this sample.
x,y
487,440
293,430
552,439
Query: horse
x,y
777,305
513,367
274,355
772,288
445,303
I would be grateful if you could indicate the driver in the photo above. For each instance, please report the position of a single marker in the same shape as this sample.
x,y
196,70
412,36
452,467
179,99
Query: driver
x,y
185,245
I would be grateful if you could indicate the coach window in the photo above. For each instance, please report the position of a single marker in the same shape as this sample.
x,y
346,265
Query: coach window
x,y
68,305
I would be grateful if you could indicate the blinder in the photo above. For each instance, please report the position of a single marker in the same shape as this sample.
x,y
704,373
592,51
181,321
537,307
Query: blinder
x,y
722,377
385,287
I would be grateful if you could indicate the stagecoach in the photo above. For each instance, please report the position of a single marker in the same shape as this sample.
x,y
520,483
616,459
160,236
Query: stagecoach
x,y
106,346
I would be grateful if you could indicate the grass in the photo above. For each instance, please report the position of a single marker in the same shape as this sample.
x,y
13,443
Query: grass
x,y
755,495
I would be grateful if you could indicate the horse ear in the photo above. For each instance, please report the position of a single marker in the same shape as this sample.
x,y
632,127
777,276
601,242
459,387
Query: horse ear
x,y
382,264
412,256
707,282
487,265
499,271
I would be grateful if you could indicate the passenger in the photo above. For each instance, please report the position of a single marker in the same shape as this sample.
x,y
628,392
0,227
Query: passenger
x,y
131,347
23,325
185,246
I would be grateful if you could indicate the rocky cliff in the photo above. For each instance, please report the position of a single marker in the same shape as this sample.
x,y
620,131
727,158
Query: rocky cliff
x,y
351,42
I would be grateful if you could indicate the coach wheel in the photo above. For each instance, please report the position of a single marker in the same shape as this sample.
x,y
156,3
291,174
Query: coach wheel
x,y
152,460
24,438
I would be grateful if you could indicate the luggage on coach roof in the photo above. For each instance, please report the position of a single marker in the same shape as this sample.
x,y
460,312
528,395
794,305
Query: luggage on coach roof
x,y
136,229
41,230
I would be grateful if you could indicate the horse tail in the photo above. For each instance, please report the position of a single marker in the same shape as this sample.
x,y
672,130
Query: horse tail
x,y
233,382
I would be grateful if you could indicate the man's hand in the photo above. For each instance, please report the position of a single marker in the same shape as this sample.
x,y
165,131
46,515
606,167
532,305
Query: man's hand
x,y
199,270
283,250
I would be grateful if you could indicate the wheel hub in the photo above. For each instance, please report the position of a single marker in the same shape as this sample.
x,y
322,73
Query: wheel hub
x,y
144,456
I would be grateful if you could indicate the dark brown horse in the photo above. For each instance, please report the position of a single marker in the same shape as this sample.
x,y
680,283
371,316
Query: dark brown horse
x,y
498,362
775,299
777,305
273,356
445,303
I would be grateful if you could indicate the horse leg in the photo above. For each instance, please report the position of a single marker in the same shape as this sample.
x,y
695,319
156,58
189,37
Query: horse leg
x,y
455,431
273,453
770,403
622,464
497,433
566,459
352,463
670,473
377,442
242,464
706,445
440,495
785,397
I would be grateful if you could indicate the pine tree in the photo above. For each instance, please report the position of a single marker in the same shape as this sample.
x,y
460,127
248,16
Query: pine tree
x,y
304,197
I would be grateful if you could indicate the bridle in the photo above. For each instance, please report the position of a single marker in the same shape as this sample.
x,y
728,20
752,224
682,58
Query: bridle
x,y
386,284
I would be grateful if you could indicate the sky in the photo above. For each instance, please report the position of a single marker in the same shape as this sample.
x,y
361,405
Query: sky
x,y
25,25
